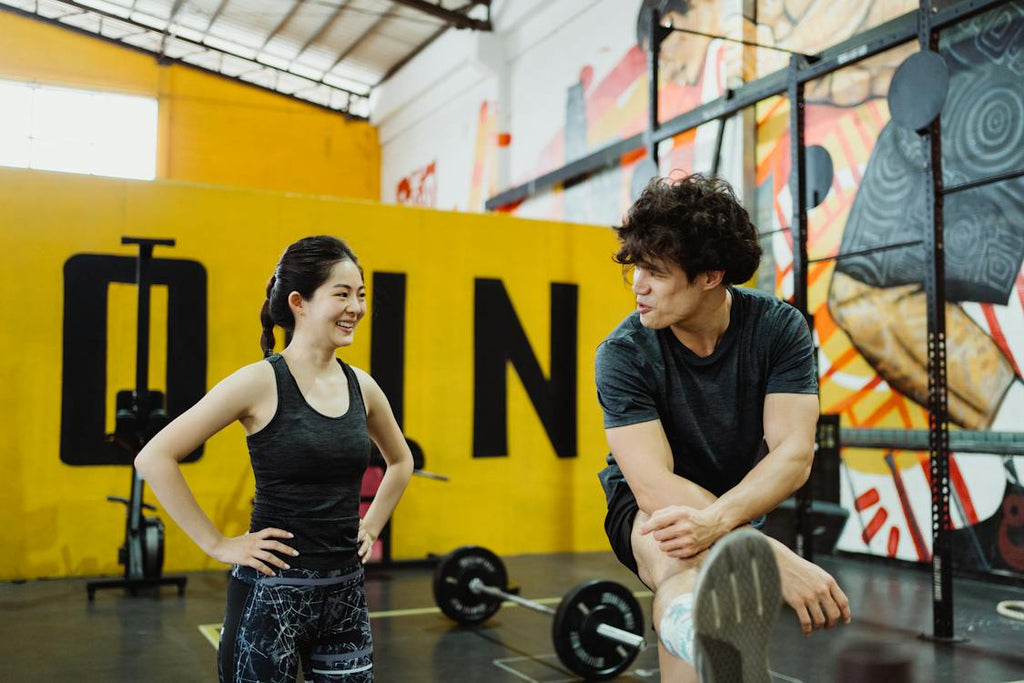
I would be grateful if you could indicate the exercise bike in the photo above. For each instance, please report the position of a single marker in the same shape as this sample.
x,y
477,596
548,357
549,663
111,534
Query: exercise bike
x,y
140,415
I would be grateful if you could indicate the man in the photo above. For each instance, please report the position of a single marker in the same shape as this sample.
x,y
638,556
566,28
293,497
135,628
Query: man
x,y
709,394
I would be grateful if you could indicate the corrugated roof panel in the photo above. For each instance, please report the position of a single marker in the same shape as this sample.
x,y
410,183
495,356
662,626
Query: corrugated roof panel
x,y
315,50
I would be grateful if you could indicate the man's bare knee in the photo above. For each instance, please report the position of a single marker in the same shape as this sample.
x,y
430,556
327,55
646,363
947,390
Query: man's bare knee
x,y
653,565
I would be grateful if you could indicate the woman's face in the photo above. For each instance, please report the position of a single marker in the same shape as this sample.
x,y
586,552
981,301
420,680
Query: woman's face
x,y
337,305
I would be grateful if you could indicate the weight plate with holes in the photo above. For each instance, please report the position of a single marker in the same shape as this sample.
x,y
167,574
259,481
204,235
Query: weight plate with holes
x,y
451,584
574,632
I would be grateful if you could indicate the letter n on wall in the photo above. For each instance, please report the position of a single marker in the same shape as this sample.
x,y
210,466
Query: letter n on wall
x,y
499,338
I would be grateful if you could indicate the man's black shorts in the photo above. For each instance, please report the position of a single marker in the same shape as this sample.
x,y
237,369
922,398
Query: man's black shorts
x,y
618,525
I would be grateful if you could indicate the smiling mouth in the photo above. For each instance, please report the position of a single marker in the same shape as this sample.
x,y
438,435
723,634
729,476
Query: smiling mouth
x,y
348,326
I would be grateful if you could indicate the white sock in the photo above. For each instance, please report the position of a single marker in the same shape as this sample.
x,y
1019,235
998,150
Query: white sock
x,y
675,630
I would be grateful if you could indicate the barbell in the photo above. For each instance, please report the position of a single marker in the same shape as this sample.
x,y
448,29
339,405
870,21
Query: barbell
x,y
597,629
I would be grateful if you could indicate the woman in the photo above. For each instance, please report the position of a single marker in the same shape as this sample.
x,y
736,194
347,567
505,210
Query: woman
x,y
296,588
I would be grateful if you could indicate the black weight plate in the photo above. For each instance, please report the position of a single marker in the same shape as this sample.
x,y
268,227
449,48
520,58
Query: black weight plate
x,y
574,631
918,90
451,584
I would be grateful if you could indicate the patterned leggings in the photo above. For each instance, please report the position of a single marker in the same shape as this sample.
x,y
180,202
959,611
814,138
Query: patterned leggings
x,y
274,622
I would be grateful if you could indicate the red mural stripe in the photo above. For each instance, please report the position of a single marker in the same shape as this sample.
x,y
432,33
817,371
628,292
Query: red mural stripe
x,y
1020,288
996,331
956,476
894,541
866,499
926,466
881,514
908,512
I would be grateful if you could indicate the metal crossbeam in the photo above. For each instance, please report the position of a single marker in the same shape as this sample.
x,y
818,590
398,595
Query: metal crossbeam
x,y
451,17
324,27
961,441
358,41
867,44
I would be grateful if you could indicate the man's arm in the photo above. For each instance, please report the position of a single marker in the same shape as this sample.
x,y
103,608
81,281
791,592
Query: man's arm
x,y
790,421
789,426
645,458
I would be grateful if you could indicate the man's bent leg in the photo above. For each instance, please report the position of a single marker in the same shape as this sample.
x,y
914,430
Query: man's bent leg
x,y
672,581
738,597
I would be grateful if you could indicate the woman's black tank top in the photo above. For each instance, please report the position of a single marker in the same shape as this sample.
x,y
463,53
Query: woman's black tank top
x,y
309,469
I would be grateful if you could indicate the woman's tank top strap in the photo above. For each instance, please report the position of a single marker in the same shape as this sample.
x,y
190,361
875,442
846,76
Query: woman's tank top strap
x,y
355,392
285,384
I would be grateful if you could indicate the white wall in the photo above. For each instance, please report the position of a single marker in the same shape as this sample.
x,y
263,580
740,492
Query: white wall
x,y
430,111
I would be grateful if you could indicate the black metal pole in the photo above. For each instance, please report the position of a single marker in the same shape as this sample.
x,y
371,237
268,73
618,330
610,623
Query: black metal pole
x,y
142,404
134,569
657,35
798,192
938,414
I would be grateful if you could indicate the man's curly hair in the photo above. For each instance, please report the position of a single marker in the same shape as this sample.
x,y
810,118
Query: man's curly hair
x,y
696,222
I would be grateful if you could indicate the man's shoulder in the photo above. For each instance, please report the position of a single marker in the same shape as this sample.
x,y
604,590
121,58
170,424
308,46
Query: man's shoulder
x,y
630,343
629,332
763,307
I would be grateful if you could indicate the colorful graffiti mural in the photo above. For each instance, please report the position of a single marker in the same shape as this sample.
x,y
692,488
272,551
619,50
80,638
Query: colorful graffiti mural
x,y
869,312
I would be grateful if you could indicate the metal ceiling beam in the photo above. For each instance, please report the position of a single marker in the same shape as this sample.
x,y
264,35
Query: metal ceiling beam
x,y
171,18
358,41
423,46
320,31
213,19
451,17
281,24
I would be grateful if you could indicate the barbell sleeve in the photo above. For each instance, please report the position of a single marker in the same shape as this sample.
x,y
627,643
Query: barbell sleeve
x,y
607,630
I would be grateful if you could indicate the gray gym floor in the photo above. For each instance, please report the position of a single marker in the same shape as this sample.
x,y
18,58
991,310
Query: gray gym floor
x,y
51,632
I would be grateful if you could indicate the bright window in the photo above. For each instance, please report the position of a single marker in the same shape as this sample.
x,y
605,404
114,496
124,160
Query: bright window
x,y
78,131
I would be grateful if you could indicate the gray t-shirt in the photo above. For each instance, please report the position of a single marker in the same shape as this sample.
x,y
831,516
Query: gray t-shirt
x,y
711,408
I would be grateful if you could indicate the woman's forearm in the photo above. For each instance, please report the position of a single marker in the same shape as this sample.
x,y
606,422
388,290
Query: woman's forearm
x,y
163,474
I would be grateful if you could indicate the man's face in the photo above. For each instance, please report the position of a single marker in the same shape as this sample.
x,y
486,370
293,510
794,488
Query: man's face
x,y
664,294
682,55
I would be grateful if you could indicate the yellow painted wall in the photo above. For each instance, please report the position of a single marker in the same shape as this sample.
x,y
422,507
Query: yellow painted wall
x,y
54,517
212,130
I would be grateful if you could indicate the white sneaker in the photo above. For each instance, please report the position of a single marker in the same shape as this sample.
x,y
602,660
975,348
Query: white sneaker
x,y
737,599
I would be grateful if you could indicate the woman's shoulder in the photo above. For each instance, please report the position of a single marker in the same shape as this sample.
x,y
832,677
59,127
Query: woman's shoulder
x,y
366,381
368,386
251,377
